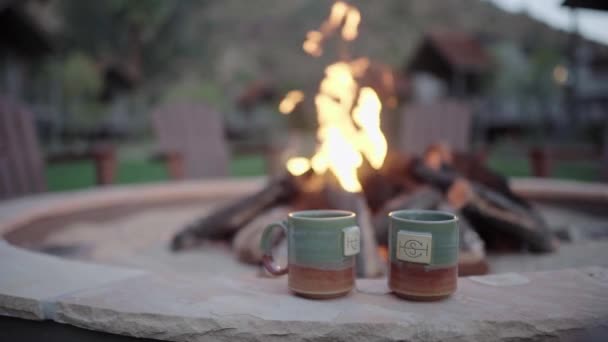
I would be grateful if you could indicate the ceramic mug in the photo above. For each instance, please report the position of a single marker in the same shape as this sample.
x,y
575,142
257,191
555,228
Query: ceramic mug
x,y
423,254
322,245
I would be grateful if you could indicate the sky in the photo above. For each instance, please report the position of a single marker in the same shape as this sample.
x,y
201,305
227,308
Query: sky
x,y
592,24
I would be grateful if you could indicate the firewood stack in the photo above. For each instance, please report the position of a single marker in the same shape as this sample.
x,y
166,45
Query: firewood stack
x,y
491,215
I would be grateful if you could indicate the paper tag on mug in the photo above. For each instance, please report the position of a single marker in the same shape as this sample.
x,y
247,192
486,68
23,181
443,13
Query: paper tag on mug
x,y
414,247
352,241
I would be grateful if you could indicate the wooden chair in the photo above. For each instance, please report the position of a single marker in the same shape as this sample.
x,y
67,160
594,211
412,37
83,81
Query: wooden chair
x,y
191,139
22,164
423,124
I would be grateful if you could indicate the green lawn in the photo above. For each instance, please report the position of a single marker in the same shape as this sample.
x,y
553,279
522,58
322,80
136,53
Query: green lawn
x,y
69,175
578,170
81,174
247,166
519,167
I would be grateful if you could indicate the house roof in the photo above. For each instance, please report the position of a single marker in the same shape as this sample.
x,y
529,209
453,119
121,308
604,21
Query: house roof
x,y
601,5
460,49
21,33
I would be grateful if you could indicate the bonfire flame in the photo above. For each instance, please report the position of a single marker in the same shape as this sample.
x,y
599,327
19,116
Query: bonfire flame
x,y
291,100
348,114
341,13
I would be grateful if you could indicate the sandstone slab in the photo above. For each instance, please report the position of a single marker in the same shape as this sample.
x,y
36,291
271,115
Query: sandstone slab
x,y
213,302
566,305
31,282
17,212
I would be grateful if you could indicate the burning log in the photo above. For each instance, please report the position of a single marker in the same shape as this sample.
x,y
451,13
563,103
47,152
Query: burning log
x,y
489,211
440,157
225,222
494,214
484,211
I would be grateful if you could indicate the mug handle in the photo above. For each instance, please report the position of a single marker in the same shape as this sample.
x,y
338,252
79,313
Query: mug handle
x,y
266,245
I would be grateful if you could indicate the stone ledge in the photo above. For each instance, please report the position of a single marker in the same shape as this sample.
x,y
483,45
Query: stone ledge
x,y
566,304
548,188
30,282
537,305
17,212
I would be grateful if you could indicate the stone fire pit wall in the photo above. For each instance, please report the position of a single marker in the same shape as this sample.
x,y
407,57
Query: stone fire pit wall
x,y
570,304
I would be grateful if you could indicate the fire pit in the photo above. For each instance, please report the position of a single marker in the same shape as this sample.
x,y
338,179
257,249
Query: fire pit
x,y
118,273
353,168
144,290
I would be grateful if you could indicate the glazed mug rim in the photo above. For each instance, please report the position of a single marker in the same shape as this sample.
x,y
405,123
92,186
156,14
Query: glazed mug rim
x,y
449,217
323,215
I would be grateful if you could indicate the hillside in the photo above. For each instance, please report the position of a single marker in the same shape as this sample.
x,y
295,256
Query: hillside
x,y
218,47
262,38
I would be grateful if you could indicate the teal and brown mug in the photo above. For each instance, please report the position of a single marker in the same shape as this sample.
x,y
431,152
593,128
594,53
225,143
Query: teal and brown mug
x,y
423,254
322,245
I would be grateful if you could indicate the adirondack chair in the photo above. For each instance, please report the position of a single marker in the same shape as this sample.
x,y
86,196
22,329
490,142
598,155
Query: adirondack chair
x,y
22,163
191,139
423,124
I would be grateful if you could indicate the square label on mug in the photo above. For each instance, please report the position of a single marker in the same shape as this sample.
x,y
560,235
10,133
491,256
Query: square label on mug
x,y
352,241
414,247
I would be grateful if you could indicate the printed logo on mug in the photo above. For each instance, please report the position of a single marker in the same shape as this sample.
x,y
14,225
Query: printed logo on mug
x,y
352,241
414,247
